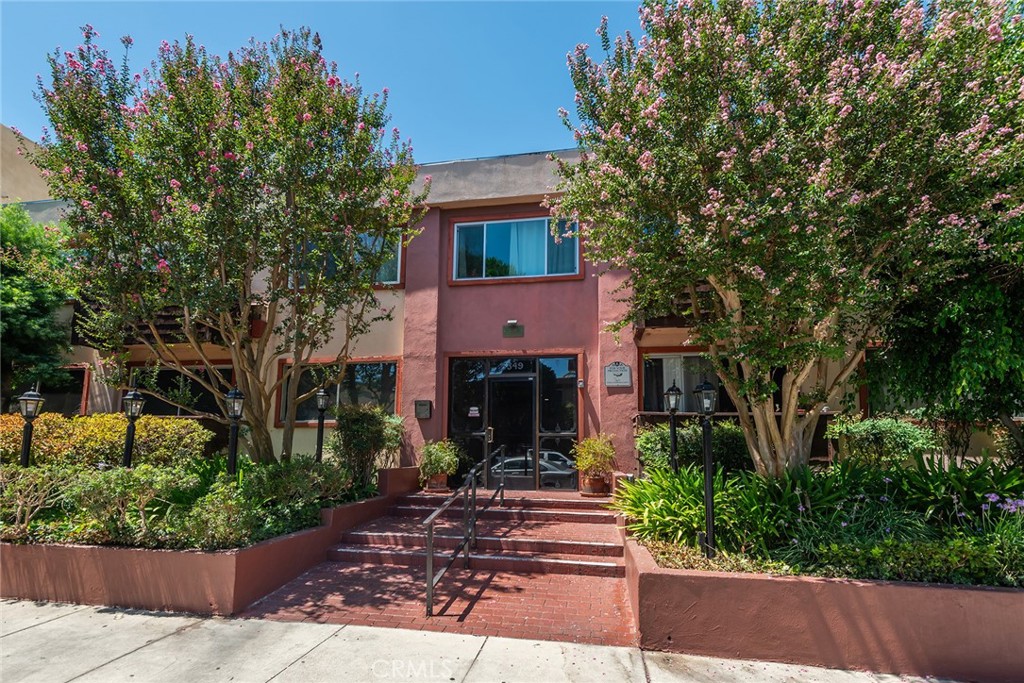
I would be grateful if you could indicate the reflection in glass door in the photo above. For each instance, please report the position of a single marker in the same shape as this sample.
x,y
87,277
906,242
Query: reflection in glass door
x,y
511,433
520,411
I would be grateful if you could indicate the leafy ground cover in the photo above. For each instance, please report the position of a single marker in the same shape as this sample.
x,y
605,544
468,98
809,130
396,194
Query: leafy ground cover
x,y
173,498
934,521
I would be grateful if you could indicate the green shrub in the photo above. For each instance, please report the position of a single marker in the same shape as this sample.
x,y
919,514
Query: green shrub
x,y
954,493
438,457
594,456
839,521
289,495
99,438
883,442
958,560
365,439
222,518
728,445
25,492
128,503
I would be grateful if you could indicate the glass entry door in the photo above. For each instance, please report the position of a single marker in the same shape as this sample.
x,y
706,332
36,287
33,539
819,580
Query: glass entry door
x,y
517,412
511,432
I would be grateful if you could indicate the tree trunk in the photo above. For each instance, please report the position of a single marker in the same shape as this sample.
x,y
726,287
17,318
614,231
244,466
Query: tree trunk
x,y
1016,433
772,453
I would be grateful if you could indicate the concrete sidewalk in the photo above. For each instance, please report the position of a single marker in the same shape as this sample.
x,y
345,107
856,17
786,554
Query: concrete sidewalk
x,y
53,642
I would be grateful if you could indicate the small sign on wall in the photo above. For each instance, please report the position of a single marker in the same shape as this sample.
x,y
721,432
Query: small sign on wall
x,y
618,374
423,409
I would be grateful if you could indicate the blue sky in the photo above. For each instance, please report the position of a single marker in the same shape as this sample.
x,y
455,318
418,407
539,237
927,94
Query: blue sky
x,y
466,79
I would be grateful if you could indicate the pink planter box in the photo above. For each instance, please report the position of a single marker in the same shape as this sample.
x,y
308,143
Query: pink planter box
x,y
923,629
221,582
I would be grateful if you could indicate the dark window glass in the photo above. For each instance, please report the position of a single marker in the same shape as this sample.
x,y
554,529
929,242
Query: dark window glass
x,y
185,396
363,384
469,251
64,398
466,392
558,395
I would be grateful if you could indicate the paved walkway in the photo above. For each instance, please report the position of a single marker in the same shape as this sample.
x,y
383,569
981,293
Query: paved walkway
x,y
562,607
52,643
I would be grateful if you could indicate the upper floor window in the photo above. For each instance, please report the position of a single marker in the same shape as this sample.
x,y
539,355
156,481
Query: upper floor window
x,y
390,272
513,248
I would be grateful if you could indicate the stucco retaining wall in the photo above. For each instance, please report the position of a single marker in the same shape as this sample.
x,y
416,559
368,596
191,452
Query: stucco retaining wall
x,y
974,634
221,582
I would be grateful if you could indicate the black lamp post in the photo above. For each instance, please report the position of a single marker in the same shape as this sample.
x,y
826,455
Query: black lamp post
x,y
321,405
234,401
707,397
672,397
30,404
132,403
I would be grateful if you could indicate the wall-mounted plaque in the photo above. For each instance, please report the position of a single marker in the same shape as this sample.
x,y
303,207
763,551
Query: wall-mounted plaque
x,y
618,374
423,409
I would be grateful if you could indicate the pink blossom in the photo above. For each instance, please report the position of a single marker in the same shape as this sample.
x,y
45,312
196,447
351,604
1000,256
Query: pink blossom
x,y
194,208
646,160
175,184
86,203
162,266
230,156
248,146
82,147
307,116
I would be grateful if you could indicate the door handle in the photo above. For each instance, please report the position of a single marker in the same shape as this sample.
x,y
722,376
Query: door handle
x,y
490,435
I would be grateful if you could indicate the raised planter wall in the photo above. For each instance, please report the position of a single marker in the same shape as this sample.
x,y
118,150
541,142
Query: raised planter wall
x,y
222,582
957,632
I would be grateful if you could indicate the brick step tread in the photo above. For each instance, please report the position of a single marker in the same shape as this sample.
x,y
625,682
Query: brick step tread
x,y
512,500
503,528
423,511
512,562
547,546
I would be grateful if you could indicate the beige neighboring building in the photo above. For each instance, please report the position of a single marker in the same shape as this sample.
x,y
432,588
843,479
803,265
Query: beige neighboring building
x,y
20,181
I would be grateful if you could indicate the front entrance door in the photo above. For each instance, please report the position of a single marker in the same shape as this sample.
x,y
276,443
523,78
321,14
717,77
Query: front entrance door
x,y
511,432
516,411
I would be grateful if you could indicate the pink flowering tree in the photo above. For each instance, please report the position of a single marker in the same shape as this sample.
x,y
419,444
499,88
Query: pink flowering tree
x,y
782,172
228,196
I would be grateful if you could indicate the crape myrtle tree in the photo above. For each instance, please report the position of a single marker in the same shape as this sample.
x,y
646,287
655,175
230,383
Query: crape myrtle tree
x,y
221,192
785,171
33,286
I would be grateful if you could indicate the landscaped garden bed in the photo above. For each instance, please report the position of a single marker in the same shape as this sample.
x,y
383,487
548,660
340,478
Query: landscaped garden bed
x,y
911,565
176,531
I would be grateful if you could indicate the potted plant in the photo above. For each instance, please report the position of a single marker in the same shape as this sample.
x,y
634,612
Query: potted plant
x,y
595,459
438,459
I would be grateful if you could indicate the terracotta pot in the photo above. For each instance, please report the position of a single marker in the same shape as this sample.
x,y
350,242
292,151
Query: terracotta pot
x,y
594,484
438,482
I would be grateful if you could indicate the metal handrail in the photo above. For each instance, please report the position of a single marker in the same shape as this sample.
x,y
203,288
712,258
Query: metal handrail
x,y
468,493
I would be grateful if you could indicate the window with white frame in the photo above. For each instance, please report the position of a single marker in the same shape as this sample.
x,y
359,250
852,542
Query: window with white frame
x,y
391,271
513,248
364,383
